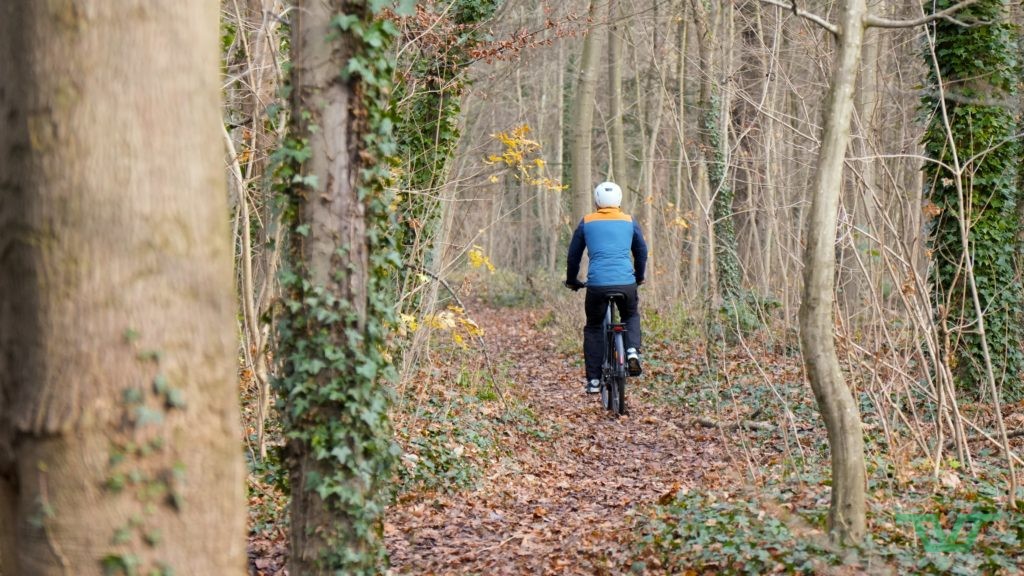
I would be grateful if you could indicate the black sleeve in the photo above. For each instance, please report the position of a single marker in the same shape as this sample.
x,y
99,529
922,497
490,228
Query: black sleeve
x,y
576,246
639,249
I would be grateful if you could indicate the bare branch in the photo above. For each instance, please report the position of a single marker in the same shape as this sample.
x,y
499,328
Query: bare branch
x,y
807,15
968,101
946,14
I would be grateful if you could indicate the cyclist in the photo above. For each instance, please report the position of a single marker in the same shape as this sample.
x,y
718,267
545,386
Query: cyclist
x,y
610,236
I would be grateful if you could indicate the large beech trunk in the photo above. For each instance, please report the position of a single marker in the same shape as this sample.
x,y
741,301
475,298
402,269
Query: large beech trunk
x,y
835,400
119,424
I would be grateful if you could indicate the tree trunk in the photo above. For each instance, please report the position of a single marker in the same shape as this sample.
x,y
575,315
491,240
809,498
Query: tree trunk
x,y
555,198
618,131
975,182
846,521
656,96
722,230
583,119
682,173
119,424
977,132
332,330
751,148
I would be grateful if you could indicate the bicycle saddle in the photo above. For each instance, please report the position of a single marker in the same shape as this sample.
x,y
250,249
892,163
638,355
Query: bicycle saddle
x,y
614,296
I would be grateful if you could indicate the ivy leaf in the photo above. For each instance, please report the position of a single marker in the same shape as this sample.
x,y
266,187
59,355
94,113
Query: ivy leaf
x,y
312,367
126,564
377,5
357,67
144,415
344,22
342,453
373,37
367,370
122,536
132,396
405,8
333,353
309,180
175,398
160,384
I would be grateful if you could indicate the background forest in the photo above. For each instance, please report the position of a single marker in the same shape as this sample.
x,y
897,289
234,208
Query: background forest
x,y
831,196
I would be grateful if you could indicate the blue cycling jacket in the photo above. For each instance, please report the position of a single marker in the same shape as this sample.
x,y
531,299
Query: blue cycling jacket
x,y
610,236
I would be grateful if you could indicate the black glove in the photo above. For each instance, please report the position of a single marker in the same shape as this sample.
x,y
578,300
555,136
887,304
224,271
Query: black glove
x,y
574,285
639,281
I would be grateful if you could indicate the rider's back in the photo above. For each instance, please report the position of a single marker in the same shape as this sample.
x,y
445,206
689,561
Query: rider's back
x,y
609,236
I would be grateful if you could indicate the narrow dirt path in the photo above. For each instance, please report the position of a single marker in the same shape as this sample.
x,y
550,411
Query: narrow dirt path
x,y
564,504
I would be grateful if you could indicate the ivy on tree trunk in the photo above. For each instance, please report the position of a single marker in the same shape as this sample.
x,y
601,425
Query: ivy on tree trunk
x,y
978,71
333,384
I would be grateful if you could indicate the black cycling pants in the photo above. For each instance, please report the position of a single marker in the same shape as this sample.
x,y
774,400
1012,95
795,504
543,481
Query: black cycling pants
x,y
593,336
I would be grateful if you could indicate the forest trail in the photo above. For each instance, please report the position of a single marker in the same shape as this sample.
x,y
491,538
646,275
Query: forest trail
x,y
562,504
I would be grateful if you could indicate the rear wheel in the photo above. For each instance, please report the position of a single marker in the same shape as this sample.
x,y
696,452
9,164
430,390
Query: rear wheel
x,y
620,394
618,381
611,386
614,400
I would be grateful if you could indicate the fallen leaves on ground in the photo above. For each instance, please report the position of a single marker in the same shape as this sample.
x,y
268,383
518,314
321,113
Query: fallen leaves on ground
x,y
564,491
564,505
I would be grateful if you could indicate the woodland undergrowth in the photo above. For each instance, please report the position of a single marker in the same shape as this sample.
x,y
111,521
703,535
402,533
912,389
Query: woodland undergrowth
x,y
466,415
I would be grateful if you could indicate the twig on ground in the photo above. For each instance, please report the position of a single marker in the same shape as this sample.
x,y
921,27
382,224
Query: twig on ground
x,y
1015,434
747,424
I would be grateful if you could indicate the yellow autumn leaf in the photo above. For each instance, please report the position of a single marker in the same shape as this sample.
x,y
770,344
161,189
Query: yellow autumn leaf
x,y
471,327
478,259
409,321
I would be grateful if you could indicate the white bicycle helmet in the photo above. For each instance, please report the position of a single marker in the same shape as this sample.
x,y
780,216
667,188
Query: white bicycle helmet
x,y
608,195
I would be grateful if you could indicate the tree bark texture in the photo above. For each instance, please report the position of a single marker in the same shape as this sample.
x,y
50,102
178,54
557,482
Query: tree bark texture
x,y
119,424
583,119
835,400
618,132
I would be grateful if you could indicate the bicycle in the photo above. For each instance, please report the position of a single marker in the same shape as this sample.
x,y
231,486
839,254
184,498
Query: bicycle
x,y
614,363
613,366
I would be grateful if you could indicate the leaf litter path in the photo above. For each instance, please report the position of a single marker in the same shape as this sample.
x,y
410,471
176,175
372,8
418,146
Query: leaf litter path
x,y
564,505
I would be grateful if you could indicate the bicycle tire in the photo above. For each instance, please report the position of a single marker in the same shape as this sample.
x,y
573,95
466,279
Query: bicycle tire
x,y
610,382
613,395
619,381
620,395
